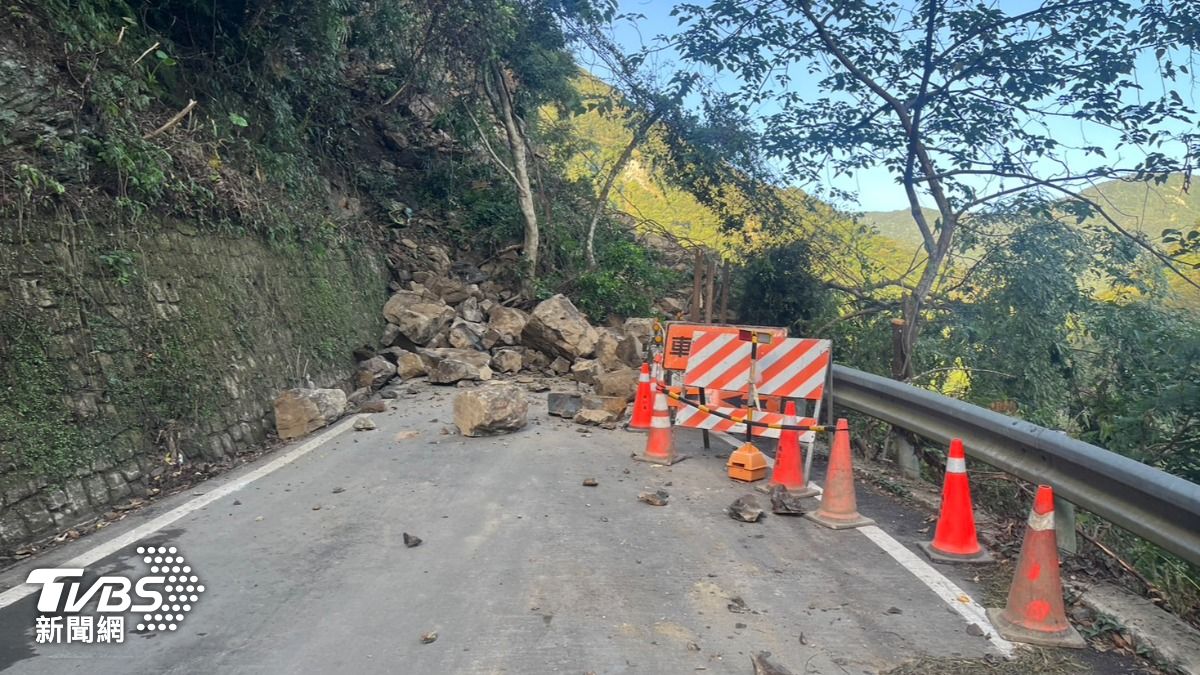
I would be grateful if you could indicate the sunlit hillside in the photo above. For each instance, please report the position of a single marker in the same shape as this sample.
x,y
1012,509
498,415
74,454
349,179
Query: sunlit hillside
x,y
845,250
1135,206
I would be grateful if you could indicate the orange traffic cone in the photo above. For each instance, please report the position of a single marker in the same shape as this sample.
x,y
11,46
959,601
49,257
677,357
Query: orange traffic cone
x,y
955,539
839,508
1035,613
659,447
643,403
789,464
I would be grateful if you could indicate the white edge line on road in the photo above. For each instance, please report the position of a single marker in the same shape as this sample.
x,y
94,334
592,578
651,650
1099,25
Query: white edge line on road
x,y
947,590
101,551
944,588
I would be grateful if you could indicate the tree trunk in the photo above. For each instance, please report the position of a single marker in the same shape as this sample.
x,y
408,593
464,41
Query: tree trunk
x,y
710,270
501,99
724,315
697,285
901,363
639,134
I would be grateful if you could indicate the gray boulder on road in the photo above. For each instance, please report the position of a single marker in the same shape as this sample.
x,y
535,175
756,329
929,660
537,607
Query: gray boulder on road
x,y
299,412
557,327
490,409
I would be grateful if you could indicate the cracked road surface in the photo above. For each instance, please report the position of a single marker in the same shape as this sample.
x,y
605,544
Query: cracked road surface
x,y
522,569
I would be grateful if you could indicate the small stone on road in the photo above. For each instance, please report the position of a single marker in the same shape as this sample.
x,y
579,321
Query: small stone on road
x,y
783,503
656,498
745,509
763,666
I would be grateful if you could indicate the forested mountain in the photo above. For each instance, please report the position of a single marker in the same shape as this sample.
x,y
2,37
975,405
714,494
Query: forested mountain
x,y
1145,208
1141,207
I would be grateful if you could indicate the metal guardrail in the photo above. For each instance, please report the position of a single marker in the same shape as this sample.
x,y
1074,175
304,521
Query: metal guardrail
x,y
1150,503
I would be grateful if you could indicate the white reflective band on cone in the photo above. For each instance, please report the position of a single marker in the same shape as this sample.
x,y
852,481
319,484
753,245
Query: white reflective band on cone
x,y
1041,521
956,465
660,422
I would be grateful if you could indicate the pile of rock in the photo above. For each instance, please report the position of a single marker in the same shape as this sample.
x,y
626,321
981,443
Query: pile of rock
x,y
449,323
453,331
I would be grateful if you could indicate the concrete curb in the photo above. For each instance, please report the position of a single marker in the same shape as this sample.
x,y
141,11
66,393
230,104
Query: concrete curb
x,y
1166,638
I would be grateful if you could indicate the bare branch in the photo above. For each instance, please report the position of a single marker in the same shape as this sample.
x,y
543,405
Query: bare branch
x,y
496,158
171,122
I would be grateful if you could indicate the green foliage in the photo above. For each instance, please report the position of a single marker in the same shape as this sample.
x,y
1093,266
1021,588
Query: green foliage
x,y
171,381
974,75
779,288
120,265
1145,400
36,431
626,281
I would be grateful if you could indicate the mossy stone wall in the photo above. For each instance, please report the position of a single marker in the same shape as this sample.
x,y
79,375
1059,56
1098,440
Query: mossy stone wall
x,y
123,350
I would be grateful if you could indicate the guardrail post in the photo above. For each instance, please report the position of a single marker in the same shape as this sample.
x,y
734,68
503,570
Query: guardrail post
x,y
1064,526
906,455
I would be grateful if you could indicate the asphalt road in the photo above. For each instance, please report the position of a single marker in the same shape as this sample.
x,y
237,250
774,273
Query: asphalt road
x,y
522,569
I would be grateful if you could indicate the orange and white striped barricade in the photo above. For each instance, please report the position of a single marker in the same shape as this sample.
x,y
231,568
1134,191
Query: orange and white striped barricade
x,y
677,347
790,368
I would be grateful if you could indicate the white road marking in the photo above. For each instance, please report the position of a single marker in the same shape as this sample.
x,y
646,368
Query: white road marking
x,y
944,588
947,590
101,551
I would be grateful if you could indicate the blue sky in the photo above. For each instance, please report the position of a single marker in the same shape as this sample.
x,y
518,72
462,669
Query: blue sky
x,y
875,187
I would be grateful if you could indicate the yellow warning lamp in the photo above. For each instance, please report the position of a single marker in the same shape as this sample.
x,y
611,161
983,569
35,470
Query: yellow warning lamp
x,y
757,337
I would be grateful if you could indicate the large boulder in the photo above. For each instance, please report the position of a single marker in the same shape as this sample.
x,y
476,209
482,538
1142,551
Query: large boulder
x,y
418,319
451,291
466,335
621,383
447,365
408,364
613,404
508,323
556,327
532,359
594,417
506,360
563,404
606,349
629,351
450,371
641,328
560,366
391,333
469,310
491,409
432,357
672,306
374,372
299,412
586,371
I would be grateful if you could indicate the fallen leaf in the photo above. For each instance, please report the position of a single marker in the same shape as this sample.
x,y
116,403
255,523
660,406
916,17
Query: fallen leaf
x,y
431,636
